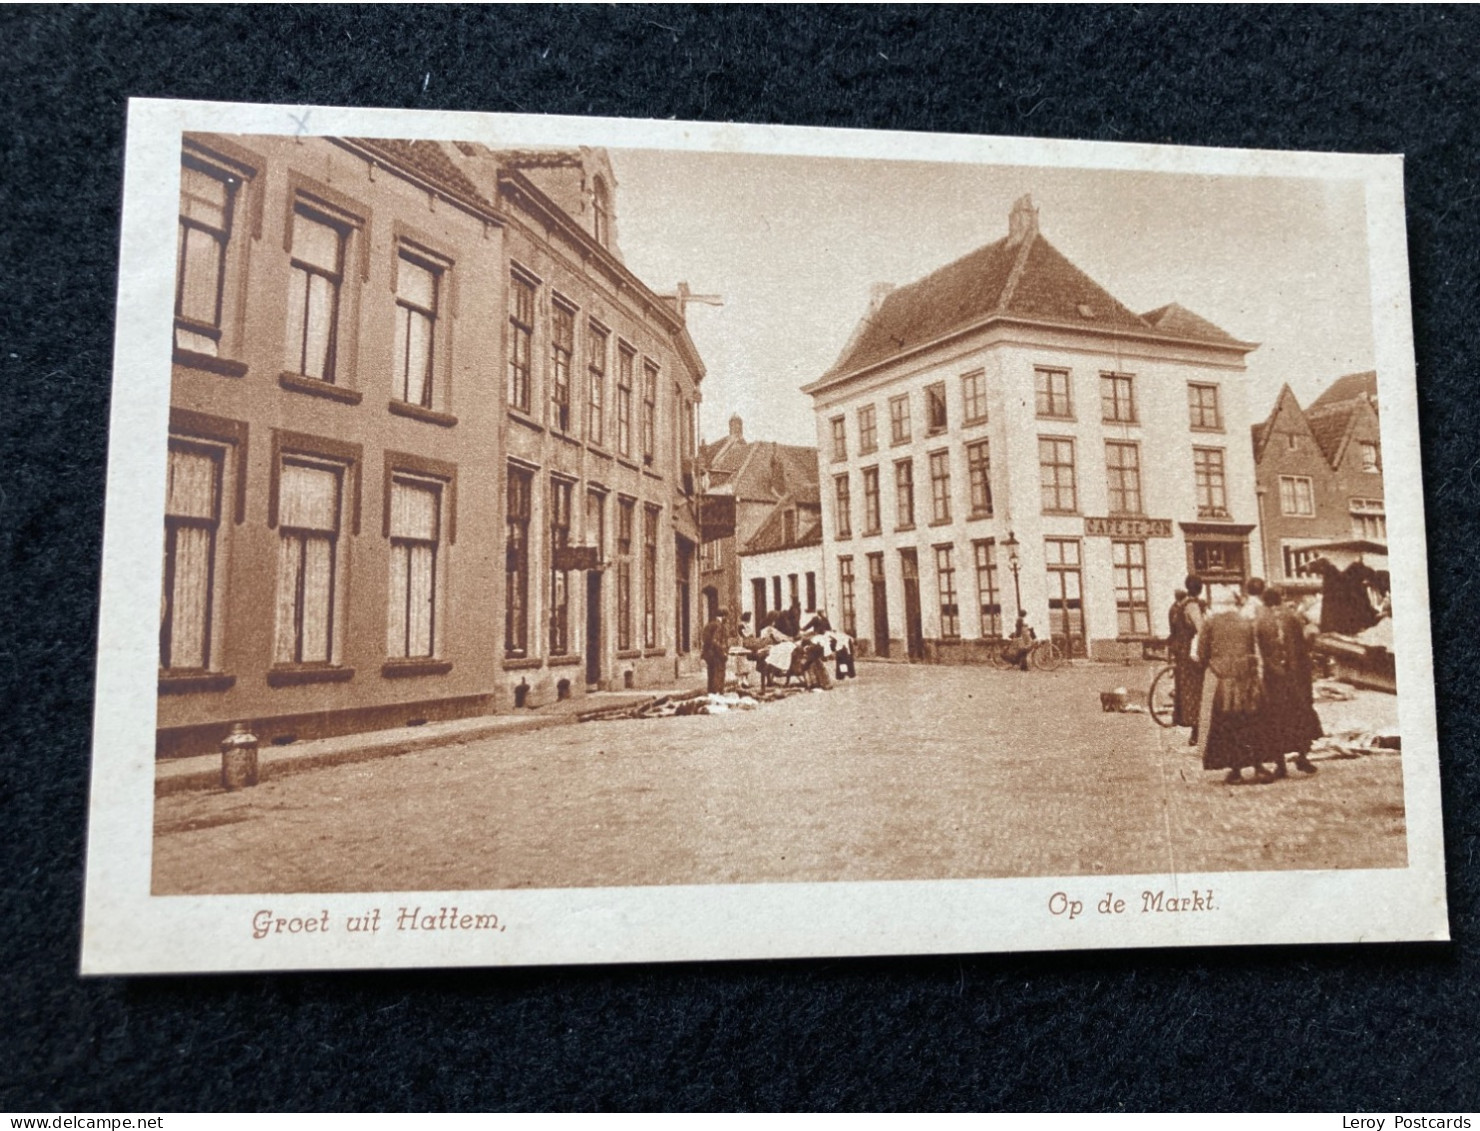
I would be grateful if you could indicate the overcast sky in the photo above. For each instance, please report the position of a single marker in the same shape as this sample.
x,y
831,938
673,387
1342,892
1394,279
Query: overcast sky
x,y
793,245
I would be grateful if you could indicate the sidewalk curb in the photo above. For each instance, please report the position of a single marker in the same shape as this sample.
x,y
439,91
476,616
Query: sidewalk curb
x,y
280,762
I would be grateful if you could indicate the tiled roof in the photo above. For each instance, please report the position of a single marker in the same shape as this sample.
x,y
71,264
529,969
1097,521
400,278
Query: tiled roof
x,y
428,160
1329,427
762,469
1178,321
1352,386
771,534
1027,277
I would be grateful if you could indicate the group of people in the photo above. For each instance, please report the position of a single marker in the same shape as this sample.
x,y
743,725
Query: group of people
x,y
780,644
1244,679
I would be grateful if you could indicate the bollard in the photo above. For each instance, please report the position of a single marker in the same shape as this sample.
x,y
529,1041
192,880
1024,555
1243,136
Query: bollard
x,y
239,758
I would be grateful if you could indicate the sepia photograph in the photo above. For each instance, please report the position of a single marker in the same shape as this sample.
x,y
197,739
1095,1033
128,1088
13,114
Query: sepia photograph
x,y
787,520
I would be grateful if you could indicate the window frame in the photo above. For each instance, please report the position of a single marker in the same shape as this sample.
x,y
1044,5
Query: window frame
x,y
436,598
1046,399
519,362
873,519
900,425
436,394
945,588
626,375
839,438
333,611
1057,465
1290,501
842,505
208,642
868,429
1197,409
518,517
626,533
847,598
973,395
939,463
1113,408
341,320
904,493
937,411
1206,485
598,350
988,589
559,519
1129,610
561,362
979,475
212,331
1123,481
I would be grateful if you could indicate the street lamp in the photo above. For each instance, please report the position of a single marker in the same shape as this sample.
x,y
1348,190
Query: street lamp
x,y
1011,544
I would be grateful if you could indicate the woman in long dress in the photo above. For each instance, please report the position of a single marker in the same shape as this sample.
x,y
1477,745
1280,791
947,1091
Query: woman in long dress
x,y
1229,720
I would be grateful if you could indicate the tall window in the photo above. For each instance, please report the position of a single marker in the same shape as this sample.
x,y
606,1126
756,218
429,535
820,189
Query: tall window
x,y
416,506
309,494
521,341
839,437
562,346
596,523
1371,457
601,212
871,521
596,342
1052,393
1212,492
935,408
625,363
1202,408
847,609
316,272
649,411
979,469
1056,475
625,513
904,493
1297,496
416,319
207,196
560,490
989,600
843,515
940,486
650,577
516,563
974,397
1132,607
192,516
1123,477
945,579
868,430
899,419
1117,398
1369,519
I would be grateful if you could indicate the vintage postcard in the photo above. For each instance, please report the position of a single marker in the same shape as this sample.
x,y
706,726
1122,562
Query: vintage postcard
x,y
552,540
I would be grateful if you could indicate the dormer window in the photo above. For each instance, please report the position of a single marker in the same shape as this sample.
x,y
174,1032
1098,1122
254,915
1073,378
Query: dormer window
x,y
601,213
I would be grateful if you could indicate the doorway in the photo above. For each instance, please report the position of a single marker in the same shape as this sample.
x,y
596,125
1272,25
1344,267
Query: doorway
x,y
914,632
594,642
880,604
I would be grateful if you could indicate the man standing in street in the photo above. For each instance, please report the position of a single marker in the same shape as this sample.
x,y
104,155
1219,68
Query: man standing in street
x,y
715,650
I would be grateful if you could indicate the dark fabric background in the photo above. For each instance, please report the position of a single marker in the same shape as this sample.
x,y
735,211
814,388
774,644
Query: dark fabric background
x,y
1389,1027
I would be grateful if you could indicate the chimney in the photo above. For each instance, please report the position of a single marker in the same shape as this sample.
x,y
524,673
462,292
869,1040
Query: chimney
x,y
1022,221
737,429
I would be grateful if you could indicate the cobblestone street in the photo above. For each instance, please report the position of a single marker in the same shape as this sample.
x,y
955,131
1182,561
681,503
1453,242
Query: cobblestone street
x,y
908,772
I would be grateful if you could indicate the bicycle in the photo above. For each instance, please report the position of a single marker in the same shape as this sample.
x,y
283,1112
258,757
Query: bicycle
x,y
1161,697
1043,656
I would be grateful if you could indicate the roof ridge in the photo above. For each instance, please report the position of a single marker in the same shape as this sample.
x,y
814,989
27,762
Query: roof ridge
x,y
1015,275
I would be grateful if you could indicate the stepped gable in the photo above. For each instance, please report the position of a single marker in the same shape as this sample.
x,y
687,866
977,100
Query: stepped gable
x,y
428,160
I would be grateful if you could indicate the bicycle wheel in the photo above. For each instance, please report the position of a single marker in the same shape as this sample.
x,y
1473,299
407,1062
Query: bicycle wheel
x,y
1160,700
1047,656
